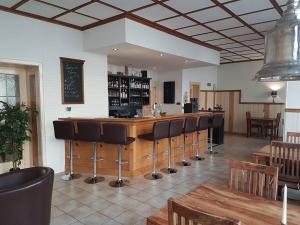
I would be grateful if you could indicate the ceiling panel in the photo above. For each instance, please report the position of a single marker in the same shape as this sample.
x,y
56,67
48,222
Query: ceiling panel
x,y
209,15
99,11
68,4
194,30
224,24
9,3
128,4
246,6
264,26
262,46
237,31
207,37
247,37
228,46
76,19
255,42
220,41
240,49
40,9
185,6
263,16
155,13
177,22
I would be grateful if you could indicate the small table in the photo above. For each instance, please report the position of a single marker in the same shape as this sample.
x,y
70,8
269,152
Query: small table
x,y
265,121
219,200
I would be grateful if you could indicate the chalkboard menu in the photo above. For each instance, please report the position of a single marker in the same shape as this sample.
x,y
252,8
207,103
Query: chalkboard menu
x,y
72,81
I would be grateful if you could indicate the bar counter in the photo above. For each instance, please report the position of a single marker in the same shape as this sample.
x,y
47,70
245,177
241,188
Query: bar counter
x,y
138,154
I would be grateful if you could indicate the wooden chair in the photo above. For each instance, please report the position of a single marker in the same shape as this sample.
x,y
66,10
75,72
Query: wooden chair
x,y
293,137
252,178
273,130
182,215
251,125
286,156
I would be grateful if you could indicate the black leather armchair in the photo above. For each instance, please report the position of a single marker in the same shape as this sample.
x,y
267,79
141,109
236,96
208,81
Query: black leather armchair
x,y
25,196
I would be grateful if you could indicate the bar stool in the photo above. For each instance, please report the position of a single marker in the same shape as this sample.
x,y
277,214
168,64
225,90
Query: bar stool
x,y
175,130
65,130
117,134
160,131
215,122
190,126
202,125
91,132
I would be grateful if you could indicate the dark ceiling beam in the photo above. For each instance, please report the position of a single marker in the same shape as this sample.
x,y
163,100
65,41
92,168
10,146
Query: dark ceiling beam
x,y
277,7
19,4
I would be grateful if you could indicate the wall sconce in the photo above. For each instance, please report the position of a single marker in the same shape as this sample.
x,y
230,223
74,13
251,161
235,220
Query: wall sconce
x,y
273,95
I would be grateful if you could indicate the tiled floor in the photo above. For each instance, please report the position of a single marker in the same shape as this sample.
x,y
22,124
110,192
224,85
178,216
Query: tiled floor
x,y
78,203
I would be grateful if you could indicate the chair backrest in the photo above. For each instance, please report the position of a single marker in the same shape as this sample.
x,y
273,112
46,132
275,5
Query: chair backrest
x,y
217,120
89,131
175,128
203,123
286,156
161,130
114,133
64,130
255,179
182,215
190,124
29,193
278,119
293,137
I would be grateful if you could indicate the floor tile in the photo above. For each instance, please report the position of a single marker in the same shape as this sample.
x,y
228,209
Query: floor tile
x,y
95,219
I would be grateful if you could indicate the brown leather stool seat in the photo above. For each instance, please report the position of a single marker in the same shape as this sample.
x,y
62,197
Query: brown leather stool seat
x,y
215,122
203,123
117,134
25,196
175,130
65,130
160,131
91,132
190,126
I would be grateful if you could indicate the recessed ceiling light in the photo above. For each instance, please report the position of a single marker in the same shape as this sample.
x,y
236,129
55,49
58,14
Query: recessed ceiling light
x,y
115,49
161,54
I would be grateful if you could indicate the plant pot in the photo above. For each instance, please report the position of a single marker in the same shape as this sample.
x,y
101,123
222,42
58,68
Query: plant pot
x,y
14,169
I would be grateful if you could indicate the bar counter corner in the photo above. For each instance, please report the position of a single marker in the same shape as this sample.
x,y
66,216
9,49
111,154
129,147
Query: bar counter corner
x,y
138,154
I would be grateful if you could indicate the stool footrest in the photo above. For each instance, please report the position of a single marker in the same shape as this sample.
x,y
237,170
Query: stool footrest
x,y
119,183
123,162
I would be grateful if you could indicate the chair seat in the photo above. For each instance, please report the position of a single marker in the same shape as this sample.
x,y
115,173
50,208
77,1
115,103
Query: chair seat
x,y
148,136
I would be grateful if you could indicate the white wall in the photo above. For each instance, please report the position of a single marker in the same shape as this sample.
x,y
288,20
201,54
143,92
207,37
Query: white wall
x,y
239,76
204,75
35,41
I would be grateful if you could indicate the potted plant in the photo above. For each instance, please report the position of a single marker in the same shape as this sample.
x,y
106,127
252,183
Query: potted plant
x,y
15,123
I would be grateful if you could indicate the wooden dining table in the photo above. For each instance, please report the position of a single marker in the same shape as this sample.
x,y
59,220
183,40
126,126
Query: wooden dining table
x,y
264,121
221,201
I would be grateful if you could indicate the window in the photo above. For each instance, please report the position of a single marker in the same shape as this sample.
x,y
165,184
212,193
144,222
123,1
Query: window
x,y
9,88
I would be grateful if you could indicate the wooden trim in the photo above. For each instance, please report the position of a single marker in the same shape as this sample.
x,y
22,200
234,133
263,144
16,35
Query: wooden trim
x,y
62,60
292,110
240,98
277,7
19,4
250,60
231,111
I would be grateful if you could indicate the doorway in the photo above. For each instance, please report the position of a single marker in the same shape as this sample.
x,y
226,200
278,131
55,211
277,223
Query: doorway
x,y
19,83
195,90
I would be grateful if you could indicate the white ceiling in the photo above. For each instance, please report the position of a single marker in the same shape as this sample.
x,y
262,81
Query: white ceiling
x,y
237,27
140,57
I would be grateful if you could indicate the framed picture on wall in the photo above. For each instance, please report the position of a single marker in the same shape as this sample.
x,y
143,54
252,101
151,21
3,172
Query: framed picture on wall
x,y
72,81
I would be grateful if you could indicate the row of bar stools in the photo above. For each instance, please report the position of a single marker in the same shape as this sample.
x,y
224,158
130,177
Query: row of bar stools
x,y
117,134
160,131
175,130
215,122
66,131
91,132
190,126
203,123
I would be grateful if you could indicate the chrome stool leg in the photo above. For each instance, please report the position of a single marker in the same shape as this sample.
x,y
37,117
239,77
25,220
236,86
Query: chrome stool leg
x,y
119,182
197,157
94,179
211,151
169,169
153,175
71,175
184,162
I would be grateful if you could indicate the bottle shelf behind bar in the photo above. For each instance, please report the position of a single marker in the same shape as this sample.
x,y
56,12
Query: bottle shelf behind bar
x,y
127,91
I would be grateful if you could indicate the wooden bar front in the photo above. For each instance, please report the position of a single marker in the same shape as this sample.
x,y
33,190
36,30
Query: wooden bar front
x,y
138,154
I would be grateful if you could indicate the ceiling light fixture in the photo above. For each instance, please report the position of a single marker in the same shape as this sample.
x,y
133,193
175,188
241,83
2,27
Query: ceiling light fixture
x,y
282,58
115,49
161,54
